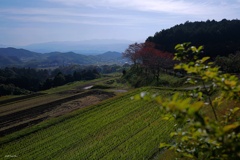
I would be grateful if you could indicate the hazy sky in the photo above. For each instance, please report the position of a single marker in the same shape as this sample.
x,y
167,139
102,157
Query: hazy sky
x,y
33,21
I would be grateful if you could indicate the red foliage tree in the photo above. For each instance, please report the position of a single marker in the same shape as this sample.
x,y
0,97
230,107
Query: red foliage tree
x,y
150,59
153,59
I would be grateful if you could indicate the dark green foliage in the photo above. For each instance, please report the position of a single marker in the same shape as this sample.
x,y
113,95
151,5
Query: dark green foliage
x,y
11,90
229,64
47,84
138,77
59,79
219,38
25,78
39,79
18,80
124,72
61,76
105,69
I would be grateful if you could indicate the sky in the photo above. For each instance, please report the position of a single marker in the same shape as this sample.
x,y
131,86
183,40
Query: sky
x,y
24,22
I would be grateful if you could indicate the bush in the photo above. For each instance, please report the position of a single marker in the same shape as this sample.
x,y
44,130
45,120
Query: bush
x,y
11,90
203,137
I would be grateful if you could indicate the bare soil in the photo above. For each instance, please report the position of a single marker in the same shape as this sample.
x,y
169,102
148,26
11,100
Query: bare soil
x,y
80,103
77,99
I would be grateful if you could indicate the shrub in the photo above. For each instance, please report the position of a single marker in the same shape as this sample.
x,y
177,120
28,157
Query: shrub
x,y
203,137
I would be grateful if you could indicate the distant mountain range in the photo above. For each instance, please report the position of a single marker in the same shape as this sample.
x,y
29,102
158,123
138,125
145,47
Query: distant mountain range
x,y
25,58
87,47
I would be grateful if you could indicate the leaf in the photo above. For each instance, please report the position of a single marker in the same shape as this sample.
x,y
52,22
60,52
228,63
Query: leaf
x,y
235,110
194,49
230,127
204,59
200,95
164,145
195,107
179,47
230,83
184,138
210,63
188,155
191,63
210,74
177,67
200,48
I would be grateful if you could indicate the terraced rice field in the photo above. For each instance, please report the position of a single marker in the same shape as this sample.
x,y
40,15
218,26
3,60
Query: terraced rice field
x,y
118,128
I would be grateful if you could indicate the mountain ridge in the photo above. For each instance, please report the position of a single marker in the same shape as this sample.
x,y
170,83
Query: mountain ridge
x,y
24,58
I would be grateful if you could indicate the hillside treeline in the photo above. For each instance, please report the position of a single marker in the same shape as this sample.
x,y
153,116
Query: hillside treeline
x,y
230,63
17,81
26,80
219,38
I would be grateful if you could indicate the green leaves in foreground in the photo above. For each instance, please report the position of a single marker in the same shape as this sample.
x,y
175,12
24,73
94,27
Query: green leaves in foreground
x,y
202,137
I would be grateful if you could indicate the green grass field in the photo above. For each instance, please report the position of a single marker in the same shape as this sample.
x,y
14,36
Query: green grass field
x,y
118,128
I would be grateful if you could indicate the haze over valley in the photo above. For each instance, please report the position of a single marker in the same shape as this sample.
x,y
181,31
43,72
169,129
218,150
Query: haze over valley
x,y
87,47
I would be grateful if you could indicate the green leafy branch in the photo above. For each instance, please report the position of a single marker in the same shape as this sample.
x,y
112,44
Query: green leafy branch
x,y
202,137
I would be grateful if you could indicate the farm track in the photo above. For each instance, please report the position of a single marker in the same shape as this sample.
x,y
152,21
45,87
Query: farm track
x,y
17,120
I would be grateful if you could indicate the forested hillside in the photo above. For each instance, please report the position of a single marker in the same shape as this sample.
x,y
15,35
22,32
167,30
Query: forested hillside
x,y
219,38
220,41
18,81
23,80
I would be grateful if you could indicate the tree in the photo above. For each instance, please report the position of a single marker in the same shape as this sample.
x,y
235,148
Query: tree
x,y
229,64
59,79
124,72
153,59
47,84
132,52
219,38
77,76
